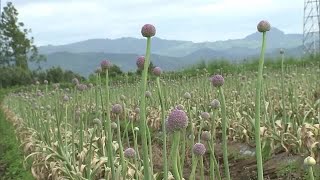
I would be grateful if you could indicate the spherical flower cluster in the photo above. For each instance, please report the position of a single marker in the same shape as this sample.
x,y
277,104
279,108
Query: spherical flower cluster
x,y
206,135
65,98
105,64
148,30
45,82
129,153
117,108
217,80
98,70
215,104
75,81
140,62
137,110
82,87
263,26
199,149
148,94
309,161
177,120
97,122
281,51
187,95
180,107
205,115
157,71
122,97
114,125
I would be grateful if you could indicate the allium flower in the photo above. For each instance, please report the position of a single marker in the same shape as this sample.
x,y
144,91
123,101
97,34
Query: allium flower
x,y
187,95
148,30
65,98
217,80
215,104
180,107
114,125
137,110
157,71
37,82
148,94
97,122
90,85
117,108
177,120
206,135
81,87
105,64
281,51
45,82
140,62
205,115
98,70
129,153
75,81
309,161
263,26
199,149
122,97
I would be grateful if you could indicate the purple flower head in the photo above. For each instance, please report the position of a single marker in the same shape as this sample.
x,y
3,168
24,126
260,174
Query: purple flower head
x,y
140,62
199,149
215,104
206,135
105,64
205,115
148,30
129,153
157,71
263,26
117,108
177,120
217,80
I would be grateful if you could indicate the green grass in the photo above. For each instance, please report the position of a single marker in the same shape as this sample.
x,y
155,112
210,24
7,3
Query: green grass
x,y
11,157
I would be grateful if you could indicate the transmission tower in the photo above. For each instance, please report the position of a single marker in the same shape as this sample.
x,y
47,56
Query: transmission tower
x,y
311,27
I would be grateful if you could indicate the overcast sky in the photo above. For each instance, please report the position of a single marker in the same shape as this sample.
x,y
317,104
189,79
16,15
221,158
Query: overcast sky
x,y
65,21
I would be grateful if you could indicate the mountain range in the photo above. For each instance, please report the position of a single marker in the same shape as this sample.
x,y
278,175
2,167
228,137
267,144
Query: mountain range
x,y
83,57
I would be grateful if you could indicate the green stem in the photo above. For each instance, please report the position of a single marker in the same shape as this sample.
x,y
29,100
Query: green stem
x,y
143,124
311,176
164,150
107,128
174,156
257,110
282,93
120,148
194,166
224,134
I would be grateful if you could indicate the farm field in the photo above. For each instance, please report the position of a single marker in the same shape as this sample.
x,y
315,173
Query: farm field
x,y
64,130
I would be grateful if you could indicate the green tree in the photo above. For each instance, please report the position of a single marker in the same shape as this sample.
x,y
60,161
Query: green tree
x,y
16,46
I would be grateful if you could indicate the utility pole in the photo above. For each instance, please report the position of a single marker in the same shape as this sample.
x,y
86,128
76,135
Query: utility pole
x,y
311,27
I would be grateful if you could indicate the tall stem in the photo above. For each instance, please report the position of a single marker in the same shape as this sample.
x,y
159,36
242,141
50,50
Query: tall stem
x,y
120,148
175,151
224,134
143,124
257,110
164,150
107,128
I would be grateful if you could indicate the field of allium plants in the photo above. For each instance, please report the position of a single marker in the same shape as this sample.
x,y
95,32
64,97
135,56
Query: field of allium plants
x,y
253,125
